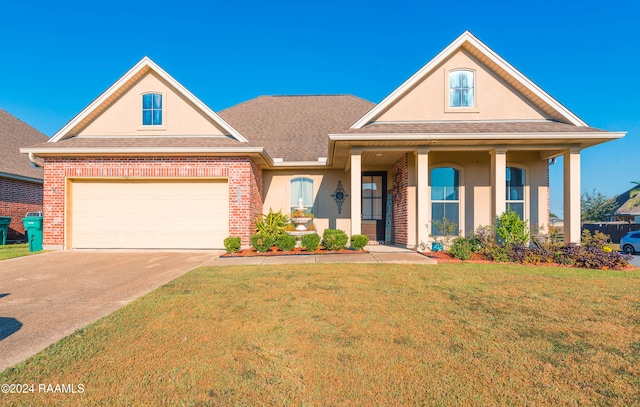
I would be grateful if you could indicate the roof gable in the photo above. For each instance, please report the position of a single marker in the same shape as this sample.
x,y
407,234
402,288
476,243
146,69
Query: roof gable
x,y
524,99
116,111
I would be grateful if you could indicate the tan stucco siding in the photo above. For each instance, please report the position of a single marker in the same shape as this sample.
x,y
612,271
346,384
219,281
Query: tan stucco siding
x,y
124,115
494,98
277,196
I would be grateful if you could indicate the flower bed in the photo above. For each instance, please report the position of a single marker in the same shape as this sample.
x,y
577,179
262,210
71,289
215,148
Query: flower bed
x,y
295,252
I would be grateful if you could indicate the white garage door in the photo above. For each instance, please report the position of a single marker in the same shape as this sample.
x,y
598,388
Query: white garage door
x,y
149,214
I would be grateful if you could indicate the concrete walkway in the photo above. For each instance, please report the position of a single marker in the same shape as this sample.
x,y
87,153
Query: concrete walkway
x,y
372,254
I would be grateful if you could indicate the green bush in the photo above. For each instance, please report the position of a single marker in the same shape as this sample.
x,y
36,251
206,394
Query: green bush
x,y
334,239
461,248
232,244
272,224
512,230
262,242
358,242
286,243
311,242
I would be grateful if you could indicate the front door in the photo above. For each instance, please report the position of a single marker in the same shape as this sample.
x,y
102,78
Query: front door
x,y
374,202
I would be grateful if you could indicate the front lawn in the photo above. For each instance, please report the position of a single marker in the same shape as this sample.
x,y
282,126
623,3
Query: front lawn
x,y
357,334
14,250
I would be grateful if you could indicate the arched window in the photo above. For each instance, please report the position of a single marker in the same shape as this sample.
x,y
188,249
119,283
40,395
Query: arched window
x,y
445,198
515,190
301,193
152,109
461,88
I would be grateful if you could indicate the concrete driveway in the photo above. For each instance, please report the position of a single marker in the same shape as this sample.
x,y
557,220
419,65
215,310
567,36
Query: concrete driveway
x,y
48,296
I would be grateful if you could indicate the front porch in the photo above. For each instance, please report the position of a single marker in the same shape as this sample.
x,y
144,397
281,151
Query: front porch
x,y
471,186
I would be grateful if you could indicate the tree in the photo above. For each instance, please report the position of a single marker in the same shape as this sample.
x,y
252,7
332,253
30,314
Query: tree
x,y
634,195
595,206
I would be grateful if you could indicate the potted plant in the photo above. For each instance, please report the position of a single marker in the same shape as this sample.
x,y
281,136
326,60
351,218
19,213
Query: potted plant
x,y
446,229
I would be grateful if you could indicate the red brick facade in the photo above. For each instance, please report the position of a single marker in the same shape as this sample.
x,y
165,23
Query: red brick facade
x,y
16,199
400,176
244,176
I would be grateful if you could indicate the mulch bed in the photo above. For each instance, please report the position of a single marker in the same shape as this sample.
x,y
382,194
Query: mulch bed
x,y
444,257
295,252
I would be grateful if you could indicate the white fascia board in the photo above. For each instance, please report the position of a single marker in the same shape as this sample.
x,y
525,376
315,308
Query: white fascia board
x,y
145,62
448,51
473,136
44,152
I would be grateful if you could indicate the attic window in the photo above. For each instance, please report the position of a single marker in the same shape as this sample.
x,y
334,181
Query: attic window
x,y
152,109
461,88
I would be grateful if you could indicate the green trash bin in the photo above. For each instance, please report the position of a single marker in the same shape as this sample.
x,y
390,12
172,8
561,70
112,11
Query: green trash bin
x,y
4,229
33,227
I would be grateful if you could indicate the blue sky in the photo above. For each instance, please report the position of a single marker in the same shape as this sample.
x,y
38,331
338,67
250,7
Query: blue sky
x,y
58,56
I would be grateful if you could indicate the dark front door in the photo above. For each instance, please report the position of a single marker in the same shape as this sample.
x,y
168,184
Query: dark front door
x,y
374,202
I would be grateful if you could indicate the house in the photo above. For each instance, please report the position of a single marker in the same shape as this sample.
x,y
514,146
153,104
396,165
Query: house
x,y
626,211
149,165
20,181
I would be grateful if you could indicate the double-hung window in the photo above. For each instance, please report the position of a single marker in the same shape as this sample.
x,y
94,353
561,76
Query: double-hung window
x,y
461,88
152,109
445,198
515,190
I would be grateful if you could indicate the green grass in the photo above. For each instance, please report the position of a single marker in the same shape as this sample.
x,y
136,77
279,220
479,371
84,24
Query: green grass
x,y
451,334
15,250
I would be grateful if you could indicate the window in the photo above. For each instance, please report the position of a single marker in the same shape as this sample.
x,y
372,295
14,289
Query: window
x,y
301,193
461,89
152,109
372,197
515,190
445,198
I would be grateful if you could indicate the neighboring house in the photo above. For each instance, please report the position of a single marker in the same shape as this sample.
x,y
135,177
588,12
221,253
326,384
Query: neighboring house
x,y
624,212
148,165
20,181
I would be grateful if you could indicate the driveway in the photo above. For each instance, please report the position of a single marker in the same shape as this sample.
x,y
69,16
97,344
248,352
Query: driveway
x,y
48,296
635,260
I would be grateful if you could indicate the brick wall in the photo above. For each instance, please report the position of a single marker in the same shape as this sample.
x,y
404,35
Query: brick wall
x,y
16,199
400,176
245,185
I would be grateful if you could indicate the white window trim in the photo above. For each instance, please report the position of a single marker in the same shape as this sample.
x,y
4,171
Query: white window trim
x,y
461,196
525,207
447,107
154,127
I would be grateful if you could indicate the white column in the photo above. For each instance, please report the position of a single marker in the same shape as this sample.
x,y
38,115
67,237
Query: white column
x,y
356,192
423,198
498,182
572,226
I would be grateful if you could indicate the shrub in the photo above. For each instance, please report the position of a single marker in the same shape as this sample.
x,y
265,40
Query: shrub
x,y
272,224
461,248
262,242
311,242
286,243
334,239
358,242
512,230
232,244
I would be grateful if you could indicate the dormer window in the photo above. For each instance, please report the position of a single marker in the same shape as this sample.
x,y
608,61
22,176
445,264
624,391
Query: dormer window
x,y
461,88
152,109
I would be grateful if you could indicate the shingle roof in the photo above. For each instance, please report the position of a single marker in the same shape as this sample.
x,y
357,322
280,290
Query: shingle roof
x,y
14,134
295,128
478,127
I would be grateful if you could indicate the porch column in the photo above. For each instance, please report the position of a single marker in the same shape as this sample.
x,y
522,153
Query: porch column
x,y
498,182
356,192
423,218
572,196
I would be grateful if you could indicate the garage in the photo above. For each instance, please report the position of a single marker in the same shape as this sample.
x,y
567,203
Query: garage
x,y
148,214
